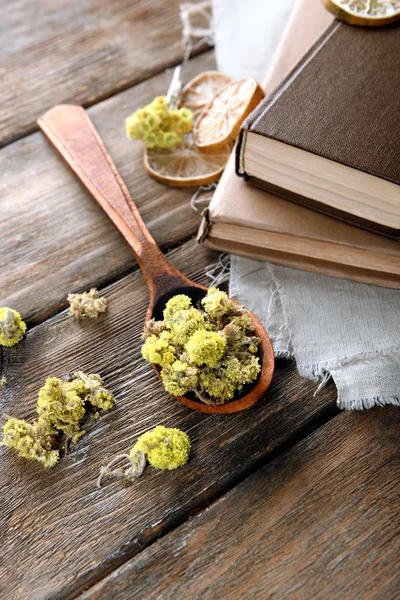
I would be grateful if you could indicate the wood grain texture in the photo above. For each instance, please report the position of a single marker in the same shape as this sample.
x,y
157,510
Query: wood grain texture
x,y
52,233
60,533
80,52
75,138
321,522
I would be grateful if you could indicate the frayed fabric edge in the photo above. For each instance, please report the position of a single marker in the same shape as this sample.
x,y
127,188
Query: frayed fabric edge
x,y
366,403
320,372
317,372
323,371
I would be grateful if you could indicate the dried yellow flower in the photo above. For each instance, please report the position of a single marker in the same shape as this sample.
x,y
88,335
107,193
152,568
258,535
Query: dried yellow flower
x,y
34,442
12,327
158,125
206,348
165,448
210,350
158,350
61,407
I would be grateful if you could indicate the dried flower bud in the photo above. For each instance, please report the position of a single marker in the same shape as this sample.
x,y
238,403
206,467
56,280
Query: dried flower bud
x,y
33,442
217,304
94,392
180,377
158,125
206,347
87,305
12,327
176,304
231,331
153,327
164,447
185,323
210,352
158,350
61,408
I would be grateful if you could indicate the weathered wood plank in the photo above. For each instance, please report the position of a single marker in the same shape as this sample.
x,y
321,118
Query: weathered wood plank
x,y
79,52
54,238
321,522
59,533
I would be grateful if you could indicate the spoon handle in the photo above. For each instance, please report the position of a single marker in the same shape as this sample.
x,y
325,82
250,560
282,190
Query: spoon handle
x,y
74,136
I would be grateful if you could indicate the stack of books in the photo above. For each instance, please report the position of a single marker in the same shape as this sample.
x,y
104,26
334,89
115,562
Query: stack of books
x,y
324,147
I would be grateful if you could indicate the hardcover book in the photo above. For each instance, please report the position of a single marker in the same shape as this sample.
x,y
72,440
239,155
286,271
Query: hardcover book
x,y
257,224
329,136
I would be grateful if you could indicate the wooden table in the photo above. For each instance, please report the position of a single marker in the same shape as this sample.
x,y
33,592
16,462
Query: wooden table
x,y
290,499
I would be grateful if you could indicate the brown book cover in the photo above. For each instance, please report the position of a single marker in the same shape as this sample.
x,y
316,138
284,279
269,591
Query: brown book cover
x,y
341,103
245,220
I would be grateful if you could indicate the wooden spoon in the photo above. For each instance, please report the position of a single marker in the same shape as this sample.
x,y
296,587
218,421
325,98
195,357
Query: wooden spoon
x,y
72,133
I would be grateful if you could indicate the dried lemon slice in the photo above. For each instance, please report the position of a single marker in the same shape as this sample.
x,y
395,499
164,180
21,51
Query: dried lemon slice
x,y
185,165
219,122
365,12
202,89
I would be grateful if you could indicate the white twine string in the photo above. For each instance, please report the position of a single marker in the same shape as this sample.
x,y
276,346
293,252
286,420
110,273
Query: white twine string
x,y
190,32
219,271
195,200
135,468
174,92
203,35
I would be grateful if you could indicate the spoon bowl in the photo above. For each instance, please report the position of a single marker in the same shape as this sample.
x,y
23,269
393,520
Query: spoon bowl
x,y
73,135
255,389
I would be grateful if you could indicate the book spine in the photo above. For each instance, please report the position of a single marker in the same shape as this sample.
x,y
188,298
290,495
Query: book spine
x,y
239,153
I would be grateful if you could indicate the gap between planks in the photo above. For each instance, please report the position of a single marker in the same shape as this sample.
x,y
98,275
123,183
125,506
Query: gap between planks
x,y
321,521
62,514
80,52
168,66
53,233
326,414
100,285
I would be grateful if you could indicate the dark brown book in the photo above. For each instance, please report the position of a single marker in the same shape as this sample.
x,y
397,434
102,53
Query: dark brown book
x,y
245,220
329,136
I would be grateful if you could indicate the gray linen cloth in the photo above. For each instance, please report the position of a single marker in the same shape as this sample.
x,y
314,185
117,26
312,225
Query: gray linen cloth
x,y
332,327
